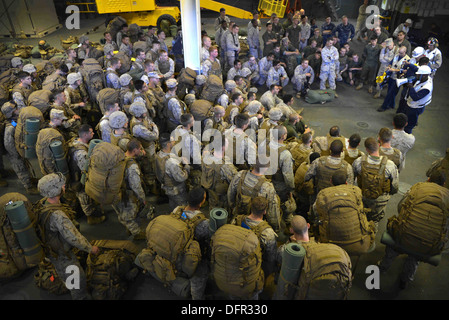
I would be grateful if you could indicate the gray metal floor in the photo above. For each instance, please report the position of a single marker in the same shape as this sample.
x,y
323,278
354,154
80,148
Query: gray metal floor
x,y
354,111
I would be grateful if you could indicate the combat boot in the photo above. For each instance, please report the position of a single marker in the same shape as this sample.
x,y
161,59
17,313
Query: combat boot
x,y
95,220
360,86
377,95
370,89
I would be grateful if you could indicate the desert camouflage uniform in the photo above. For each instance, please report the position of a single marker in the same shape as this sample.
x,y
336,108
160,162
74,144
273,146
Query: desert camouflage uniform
x,y
269,100
147,133
104,129
390,152
274,77
80,157
112,79
128,208
267,191
378,205
328,67
20,95
18,164
63,228
175,177
246,149
254,68
175,109
402,141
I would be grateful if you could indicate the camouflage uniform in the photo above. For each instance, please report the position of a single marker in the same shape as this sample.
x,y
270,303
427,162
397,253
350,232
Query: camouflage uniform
x,y
18,164
402,141
299,78
264,67
378,205
274,77
79,156
267,191
393,154
254,68
112,79
269,100
104,129
174,111
128,208
173,178
60,234
20,95
147,133
328,67
245,149
218,197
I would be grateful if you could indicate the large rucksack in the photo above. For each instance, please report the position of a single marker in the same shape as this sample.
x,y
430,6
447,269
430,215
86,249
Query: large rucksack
x,y
12,258
125,62
20,132
186,82
93,77
8,79
40,99
44,153
372,178
110,272
115,25
326,273
325,170
237,261
47,278
299,155
422,223
172,250
212,89
201,109
342,219
107,96
105,173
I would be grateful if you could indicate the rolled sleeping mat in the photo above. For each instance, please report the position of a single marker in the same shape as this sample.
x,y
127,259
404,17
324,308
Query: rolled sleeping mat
x,y
92,145
24,230
32,127
60,158
292,259
181,287
218,217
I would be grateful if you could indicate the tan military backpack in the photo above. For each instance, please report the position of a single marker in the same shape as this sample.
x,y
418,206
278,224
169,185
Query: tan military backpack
x,y
20,132
326,273
237,261
372,179
45,156
173,250
422,223
342,219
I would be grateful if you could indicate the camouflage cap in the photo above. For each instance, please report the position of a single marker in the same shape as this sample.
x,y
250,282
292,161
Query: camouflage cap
x,y
153,75
118,120
275,114
137,109
16,61
253,89
200,79
253,107
50,186
73,77
8,109
125,79
171,83
230,84
30,68
57,114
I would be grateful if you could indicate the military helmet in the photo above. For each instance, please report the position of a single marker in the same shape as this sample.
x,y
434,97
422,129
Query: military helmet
x,y
8,109
253,107
137,109
125,79
118,120
50,186
245,72
108,48
16,61
30,68
200,79
73,77
189,98
432,41
275,114
230,84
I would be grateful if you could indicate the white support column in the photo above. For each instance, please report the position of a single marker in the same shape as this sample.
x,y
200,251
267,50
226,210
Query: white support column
x,y
191,33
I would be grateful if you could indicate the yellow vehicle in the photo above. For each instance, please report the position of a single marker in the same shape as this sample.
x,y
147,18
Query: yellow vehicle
x,y
147,12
